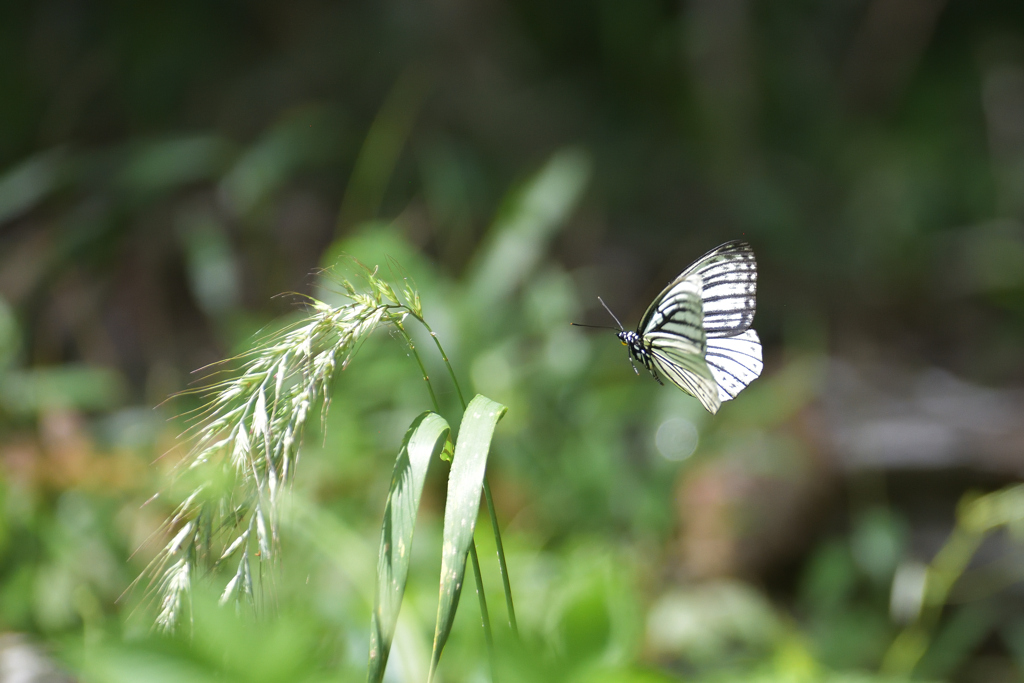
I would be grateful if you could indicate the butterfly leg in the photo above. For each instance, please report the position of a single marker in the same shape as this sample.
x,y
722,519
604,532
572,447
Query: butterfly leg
x,y
633,364
645,358
654,374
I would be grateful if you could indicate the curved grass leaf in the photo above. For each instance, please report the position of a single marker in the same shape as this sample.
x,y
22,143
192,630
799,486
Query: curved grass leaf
x,y
527,222
424,439
465,484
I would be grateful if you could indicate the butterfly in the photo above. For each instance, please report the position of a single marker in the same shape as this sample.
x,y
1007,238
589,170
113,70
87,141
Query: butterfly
x,y
697,332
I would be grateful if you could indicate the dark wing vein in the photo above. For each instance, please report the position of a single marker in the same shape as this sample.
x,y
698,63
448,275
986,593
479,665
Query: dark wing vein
x,y
735,362
677,313
698,328
729,276
691,374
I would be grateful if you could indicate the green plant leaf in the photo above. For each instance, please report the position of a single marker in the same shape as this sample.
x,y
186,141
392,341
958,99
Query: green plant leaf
x,y
448,452
381,149
25,185
465,484
84,387
524,227
424,439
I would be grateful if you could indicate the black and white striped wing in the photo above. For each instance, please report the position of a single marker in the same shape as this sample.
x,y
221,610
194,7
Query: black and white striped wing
x,y
676,318
729,276
674,335
734,362
690,373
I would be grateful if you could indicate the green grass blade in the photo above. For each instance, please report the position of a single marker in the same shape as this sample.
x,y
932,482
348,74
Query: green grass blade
x,y
422,442
527,222
465,484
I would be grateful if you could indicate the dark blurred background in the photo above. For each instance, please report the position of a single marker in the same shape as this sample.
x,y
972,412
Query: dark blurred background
x,y
168,168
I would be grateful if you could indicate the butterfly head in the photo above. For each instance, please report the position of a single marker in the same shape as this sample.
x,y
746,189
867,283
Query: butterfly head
x,y
629,338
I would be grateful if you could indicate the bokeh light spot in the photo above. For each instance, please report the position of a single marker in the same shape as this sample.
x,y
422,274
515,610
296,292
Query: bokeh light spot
x,y
676,439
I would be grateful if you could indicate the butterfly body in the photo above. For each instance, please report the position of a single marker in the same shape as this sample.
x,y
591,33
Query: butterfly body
x,y
698,333
634,342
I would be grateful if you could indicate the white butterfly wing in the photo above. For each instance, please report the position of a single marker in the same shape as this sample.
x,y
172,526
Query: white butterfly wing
x,y
698,328
729,276
690,373
734,362
676,317
674,335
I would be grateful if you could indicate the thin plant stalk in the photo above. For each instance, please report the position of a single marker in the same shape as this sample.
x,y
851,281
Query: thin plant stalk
x,y
501,559
977,516
488,637
502,565
423,369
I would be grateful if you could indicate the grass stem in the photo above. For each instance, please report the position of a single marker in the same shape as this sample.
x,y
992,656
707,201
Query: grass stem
x,y
488,636
472,548
502,565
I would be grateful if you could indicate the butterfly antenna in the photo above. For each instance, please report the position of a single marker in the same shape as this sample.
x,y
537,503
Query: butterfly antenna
x,y
621,329
597,327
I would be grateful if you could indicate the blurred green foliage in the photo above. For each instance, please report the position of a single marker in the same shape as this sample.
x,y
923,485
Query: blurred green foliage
x,y
168,169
